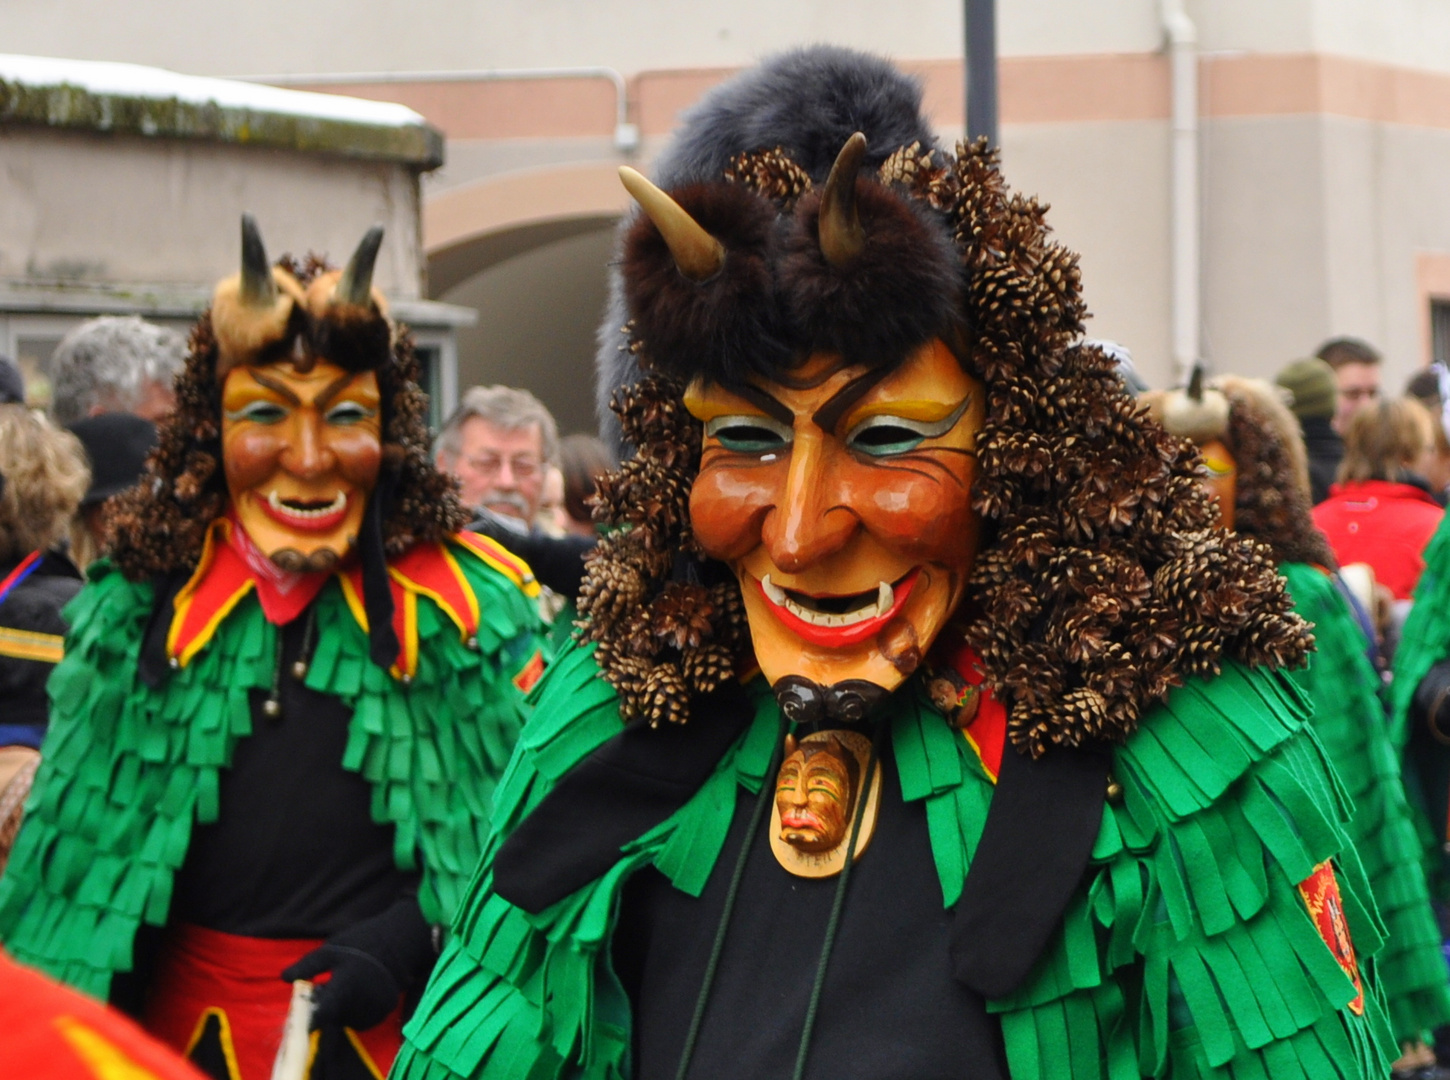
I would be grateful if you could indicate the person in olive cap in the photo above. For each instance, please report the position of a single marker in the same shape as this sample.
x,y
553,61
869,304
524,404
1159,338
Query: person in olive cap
x,y
1314,395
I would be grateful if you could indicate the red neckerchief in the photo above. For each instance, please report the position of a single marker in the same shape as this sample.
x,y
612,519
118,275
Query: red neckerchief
x,y
284,594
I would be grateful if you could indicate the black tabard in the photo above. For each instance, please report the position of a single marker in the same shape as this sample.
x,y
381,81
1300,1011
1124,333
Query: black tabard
x,y
294,851
891,1008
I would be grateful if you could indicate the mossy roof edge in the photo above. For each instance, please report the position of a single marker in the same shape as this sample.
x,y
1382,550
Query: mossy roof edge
x,y
68,106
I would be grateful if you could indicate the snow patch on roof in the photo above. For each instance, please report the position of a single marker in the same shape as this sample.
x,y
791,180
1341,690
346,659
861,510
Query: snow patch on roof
x,y
137,81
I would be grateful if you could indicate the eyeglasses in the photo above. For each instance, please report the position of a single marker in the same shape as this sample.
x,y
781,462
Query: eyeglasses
x,y
522,466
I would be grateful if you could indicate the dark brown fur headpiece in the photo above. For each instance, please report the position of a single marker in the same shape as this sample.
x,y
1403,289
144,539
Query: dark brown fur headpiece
x,y
1105,579
158,526
852,267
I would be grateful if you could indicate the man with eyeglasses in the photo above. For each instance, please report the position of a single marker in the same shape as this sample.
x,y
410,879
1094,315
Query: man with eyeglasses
x,y
498,444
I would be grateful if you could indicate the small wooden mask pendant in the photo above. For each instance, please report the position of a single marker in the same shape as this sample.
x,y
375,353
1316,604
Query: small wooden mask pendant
x,y
816,793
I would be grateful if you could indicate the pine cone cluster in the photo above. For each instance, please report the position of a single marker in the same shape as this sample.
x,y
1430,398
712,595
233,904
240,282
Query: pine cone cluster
x,y
663,635
771,173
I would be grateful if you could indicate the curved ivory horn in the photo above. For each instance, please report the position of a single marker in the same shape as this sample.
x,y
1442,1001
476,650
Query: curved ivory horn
x,y
356,284
842,237
257,288
698,254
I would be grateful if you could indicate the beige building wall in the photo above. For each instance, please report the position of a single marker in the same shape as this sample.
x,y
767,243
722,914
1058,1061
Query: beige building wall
x,y
103,208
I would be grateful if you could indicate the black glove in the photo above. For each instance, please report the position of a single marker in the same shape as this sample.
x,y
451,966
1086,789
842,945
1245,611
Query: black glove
x,y
1431,697
557,561
372,963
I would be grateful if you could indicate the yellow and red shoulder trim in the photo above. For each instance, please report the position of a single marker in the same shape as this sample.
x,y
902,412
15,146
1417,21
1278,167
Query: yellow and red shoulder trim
x,y
215,587
432,570
501,559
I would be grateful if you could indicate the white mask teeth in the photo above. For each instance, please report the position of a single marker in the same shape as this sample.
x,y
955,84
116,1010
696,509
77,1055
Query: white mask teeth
x,y
885,598
339,501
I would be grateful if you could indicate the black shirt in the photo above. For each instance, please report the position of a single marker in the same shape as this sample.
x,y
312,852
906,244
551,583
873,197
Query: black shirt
x,y
294,852
891,1008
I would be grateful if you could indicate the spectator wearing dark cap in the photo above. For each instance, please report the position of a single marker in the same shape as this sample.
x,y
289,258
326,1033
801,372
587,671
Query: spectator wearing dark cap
x,y
1313,398
44,476
12,383
116,444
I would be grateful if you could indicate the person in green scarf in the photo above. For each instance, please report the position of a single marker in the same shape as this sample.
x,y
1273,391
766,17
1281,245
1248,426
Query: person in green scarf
x,y
924,722
285,700
1258,467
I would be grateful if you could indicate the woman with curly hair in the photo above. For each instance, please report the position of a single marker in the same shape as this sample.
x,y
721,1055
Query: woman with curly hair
x,y
882,498
1256,462
43,476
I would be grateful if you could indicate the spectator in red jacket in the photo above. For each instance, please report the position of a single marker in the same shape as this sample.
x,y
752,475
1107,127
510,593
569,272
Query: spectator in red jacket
x,y
1381,512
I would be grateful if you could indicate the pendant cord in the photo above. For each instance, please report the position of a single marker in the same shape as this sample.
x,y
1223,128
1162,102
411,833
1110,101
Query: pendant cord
x,y
309,635
838,903
762,800
272,706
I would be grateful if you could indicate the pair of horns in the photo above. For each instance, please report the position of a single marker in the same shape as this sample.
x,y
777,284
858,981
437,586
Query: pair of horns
x,y
699,255
260,290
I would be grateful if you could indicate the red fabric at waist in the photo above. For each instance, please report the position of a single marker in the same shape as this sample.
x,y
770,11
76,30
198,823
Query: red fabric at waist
x,y
201,970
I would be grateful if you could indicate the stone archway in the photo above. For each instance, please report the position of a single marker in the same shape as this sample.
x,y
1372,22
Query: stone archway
x,y
528,251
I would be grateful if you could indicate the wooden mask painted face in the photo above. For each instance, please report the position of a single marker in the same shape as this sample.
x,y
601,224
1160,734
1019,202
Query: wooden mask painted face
x,y
301,450
1222,481
814,795
842,502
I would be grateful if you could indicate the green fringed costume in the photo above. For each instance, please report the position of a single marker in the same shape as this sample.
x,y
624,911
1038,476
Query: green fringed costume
x,y
127,770
1186,951
1340,683
1424,641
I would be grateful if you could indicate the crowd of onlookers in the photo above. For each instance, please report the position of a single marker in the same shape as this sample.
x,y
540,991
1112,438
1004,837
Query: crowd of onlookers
x,y
1379,469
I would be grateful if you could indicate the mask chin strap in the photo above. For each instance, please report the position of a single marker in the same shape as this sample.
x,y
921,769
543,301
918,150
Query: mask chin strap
x,y
383,644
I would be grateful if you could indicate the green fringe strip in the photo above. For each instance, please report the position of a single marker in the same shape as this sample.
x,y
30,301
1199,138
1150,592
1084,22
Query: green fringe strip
x,y
1425,639
1350,722
126,770
1188,951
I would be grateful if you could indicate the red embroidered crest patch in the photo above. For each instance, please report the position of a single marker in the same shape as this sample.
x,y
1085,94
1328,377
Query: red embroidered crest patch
x,y
530,672
1320,891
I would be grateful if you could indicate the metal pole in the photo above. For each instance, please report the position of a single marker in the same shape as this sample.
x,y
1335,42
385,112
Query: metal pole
x,y
1183,59
981,27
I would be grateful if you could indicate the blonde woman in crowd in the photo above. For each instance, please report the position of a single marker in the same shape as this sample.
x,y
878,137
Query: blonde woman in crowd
x,y
43,475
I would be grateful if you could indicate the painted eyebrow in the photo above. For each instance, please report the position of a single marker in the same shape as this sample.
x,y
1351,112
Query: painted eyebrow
x,y
772,408
277,387
829,415
332,389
